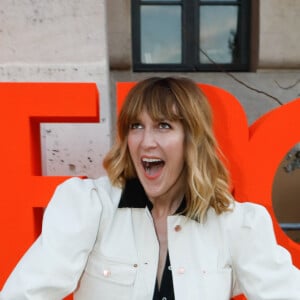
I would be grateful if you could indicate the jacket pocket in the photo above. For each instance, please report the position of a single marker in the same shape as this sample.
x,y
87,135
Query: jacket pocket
x,y
112,270
217,284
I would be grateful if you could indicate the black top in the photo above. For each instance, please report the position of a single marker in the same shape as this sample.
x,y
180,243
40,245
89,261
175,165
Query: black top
x,y
166,291
134,196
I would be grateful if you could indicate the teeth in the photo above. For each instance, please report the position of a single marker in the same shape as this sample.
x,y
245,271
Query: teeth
x,y
151,160
152,165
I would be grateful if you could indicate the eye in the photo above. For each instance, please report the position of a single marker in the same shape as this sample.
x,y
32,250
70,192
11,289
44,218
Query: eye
x,y
164,125
135,126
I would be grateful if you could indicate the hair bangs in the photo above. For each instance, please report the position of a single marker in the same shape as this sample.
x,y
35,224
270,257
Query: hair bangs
x,y
159,102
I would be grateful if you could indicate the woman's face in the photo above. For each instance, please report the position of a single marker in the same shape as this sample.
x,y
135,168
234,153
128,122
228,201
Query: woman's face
x,y
157,152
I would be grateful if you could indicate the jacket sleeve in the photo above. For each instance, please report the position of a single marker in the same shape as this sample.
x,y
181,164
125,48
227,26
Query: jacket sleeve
x,y
263,269
51,268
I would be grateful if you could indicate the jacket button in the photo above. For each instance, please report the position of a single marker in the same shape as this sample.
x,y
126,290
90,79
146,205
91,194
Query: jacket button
x,y
177,228
181,270
106,273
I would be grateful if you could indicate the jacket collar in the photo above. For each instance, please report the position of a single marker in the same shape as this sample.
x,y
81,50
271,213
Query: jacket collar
x,y
134,196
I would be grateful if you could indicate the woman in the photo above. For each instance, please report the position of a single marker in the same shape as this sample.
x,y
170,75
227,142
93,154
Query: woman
x,y
163,224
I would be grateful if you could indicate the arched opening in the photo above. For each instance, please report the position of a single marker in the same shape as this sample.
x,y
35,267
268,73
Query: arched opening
x,y
286,193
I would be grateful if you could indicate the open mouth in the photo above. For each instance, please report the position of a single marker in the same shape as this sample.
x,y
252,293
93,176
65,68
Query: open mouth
x,y
152,165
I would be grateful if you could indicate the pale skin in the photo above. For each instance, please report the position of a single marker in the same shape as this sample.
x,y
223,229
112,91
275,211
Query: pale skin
x,y
159,215
157,151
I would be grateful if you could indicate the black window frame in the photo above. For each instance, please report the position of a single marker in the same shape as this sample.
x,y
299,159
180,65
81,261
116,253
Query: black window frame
x,y
190,36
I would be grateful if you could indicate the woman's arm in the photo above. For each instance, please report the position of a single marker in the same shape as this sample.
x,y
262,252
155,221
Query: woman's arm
x,y
53,265
264,269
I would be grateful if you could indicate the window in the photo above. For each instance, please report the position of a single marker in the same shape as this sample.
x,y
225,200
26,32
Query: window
x,y
191,35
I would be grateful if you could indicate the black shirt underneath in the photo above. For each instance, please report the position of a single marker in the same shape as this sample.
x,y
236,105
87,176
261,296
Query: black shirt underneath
x,y
166,291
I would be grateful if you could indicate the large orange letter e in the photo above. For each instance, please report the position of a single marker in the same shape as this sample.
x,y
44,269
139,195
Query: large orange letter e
x,y
24,192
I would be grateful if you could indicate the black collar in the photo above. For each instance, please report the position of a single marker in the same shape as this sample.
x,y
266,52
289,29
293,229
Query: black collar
x,y
134,196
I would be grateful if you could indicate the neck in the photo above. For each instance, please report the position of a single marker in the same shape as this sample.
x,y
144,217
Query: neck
x,y
162,210
166,205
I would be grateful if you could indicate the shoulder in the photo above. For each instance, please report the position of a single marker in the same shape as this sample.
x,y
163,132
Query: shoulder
x,y
248,226
75,185
82,190
81,203
242,219
246,215
84,185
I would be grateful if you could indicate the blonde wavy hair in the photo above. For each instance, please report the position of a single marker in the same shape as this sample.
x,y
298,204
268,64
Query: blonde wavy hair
x,y
206,176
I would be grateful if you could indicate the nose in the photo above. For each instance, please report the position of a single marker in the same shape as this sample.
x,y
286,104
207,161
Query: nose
x,y
148,139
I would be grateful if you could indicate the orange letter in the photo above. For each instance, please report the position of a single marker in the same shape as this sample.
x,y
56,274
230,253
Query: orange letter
x,y
24,192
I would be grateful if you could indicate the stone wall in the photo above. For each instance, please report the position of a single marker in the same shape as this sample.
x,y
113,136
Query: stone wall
x,y
60,41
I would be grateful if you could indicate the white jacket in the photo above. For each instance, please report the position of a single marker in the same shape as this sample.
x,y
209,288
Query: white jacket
x,y
101,251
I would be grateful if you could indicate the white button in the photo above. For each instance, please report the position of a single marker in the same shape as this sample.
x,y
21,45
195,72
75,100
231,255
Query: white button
x,y
106,273
181,270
